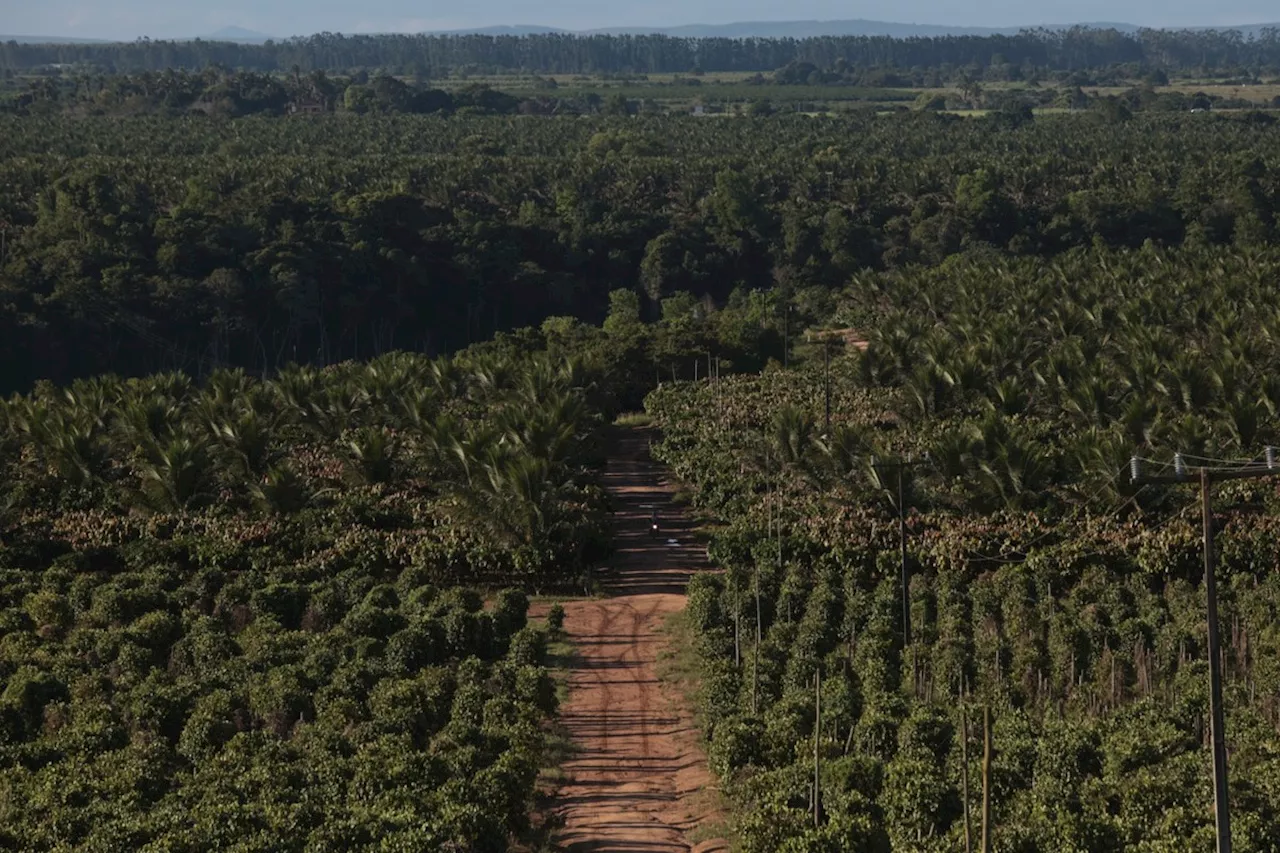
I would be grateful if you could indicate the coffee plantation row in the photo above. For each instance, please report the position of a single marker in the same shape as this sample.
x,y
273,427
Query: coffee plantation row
x,y
233,615
1044,588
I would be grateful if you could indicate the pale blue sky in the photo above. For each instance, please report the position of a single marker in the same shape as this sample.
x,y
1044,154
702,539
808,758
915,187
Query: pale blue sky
x,y
176,18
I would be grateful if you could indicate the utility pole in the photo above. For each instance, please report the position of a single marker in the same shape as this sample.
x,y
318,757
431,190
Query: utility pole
x,y
817,736
826,380
755,658
900,466
786,336
1217,722
986,779
906,580
737,625
964,770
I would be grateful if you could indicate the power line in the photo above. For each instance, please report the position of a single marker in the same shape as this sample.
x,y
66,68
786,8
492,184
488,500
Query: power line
x,y
1182,474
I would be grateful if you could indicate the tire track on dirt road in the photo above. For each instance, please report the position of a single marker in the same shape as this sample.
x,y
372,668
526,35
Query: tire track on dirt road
x,y
638,780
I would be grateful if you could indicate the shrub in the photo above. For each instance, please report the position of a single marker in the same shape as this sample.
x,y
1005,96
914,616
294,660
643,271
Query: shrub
x,y
528,647
555,618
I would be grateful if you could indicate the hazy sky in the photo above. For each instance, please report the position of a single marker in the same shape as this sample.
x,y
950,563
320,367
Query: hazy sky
x,y
177,18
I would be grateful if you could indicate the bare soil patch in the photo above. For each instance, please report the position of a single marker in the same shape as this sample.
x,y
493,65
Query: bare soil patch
x,y
638,779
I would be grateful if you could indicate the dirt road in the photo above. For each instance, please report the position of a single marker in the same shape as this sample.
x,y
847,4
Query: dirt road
x,y
638,781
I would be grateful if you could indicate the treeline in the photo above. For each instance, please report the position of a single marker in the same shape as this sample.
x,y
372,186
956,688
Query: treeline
x,y
221,93
231,94
146,244
1054,50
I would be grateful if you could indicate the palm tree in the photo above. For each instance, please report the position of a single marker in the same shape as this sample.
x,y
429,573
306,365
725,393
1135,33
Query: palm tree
x,y
493,376
1192,383
446,376
516,492
417,407
147,423
1138,416
1099,457
847,448
1093,400
953,452
372,455
336,409
1009,396
544,433
226,390
176,474
1187,433
297,387
1243,415
1011,467
793,438
70,442
247,439
927,388
281,490
388,379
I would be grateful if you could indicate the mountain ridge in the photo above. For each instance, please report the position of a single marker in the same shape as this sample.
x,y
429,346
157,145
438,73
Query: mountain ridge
x,y
820,28
741,29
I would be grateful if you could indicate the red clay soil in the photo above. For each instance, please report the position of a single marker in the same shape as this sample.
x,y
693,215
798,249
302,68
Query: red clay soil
x,y
638,778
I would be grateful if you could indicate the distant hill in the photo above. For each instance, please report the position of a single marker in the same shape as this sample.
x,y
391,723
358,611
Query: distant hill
x,y
739,30
233,34
51,40
812,29
512,30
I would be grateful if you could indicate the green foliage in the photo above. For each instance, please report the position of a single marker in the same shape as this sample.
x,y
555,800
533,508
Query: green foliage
x,y
231,250
282,622
1079,54
1042,586
555,617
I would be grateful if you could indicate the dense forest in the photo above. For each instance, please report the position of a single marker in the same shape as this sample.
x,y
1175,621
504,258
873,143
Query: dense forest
x,y
146,244
1043,50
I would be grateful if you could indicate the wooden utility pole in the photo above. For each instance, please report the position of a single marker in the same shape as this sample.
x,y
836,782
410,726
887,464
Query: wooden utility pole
x,y
817,739
900,467
737,626
755,658
906,578
986,779
826,382
964,771
786,336
1217,719
825,337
